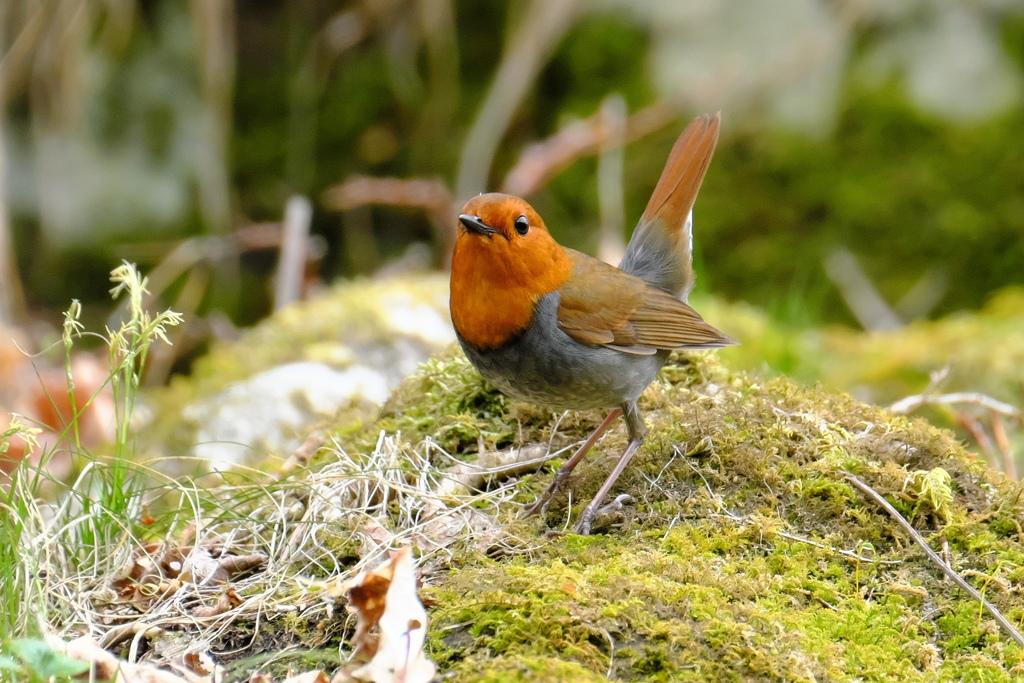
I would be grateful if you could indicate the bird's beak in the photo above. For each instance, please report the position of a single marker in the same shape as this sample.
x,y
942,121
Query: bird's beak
x,y
474,224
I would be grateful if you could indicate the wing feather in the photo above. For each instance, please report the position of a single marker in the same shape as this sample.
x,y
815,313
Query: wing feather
x,y
601,305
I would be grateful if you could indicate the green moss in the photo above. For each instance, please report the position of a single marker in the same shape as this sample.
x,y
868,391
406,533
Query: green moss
x,y
527,670
747,556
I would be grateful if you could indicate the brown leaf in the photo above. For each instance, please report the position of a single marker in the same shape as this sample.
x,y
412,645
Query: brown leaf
x,y
108,667
317,676
224,603
387,598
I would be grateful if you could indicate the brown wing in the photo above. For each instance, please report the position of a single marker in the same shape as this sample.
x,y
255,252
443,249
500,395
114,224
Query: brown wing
x,y
600,304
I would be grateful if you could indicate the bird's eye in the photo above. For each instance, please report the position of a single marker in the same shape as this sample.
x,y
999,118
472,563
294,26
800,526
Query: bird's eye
x,y
522,225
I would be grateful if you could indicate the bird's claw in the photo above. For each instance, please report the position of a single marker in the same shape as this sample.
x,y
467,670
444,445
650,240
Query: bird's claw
x,y
591,513
540,506
544,501
586,519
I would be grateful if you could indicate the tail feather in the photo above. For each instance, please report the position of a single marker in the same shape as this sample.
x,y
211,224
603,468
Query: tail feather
x,y
661,249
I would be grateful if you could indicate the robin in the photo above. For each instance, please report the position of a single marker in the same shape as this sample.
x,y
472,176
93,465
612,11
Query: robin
x,y
552,326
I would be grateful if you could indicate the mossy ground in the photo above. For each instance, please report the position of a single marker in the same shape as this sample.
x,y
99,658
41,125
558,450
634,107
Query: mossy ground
x,y
705,578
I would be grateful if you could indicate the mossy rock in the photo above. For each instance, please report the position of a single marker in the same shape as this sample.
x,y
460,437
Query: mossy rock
x,y
748,555
380,330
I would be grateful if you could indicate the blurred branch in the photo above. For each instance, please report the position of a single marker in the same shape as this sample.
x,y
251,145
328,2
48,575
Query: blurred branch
x,y
866,304
997,410
431,196
926,293
20,33
973,426
1003,442
912,403
214,24
195,251
437,23
543,24
303,95
312,55
542,161
12,297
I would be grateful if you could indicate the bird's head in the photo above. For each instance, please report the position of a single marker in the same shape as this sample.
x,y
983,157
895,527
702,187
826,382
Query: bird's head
x,y
505,226
504,261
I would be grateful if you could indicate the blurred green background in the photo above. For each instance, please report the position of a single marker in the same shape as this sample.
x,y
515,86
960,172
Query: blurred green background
x,y
873,144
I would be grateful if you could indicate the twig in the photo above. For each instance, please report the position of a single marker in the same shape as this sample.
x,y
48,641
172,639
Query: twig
x,y
542,161
1005,450
729,514
542,26
973,425
859,293
911,403
292,261
801,539
934,557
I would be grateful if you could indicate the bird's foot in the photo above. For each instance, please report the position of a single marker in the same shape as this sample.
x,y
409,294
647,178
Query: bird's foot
x,y
592,512
540,506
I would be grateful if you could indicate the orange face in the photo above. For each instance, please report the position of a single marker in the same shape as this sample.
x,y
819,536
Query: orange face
x,y
504,261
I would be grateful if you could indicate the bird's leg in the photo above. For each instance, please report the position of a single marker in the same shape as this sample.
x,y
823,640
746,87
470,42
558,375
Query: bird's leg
x,y
637,430
541,504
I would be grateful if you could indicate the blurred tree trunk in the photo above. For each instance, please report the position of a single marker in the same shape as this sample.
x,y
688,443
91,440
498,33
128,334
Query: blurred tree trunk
x,y
12,301
540,29
437,21
214,24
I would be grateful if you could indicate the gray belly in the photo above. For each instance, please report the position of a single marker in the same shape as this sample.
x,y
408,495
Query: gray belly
x,y
545,366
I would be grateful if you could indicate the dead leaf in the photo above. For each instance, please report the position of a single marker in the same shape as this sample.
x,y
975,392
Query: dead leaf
x,y
209,565
107,667
204,568
387,598
375,536
225,602
468,477
317,676
198,668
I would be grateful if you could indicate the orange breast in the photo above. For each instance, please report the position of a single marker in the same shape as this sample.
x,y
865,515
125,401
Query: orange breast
x,y
495,286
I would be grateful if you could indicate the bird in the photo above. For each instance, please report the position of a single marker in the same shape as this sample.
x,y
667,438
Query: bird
x,y
551,326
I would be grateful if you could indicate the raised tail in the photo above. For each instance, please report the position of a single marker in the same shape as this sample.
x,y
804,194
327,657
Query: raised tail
x,y
661,249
